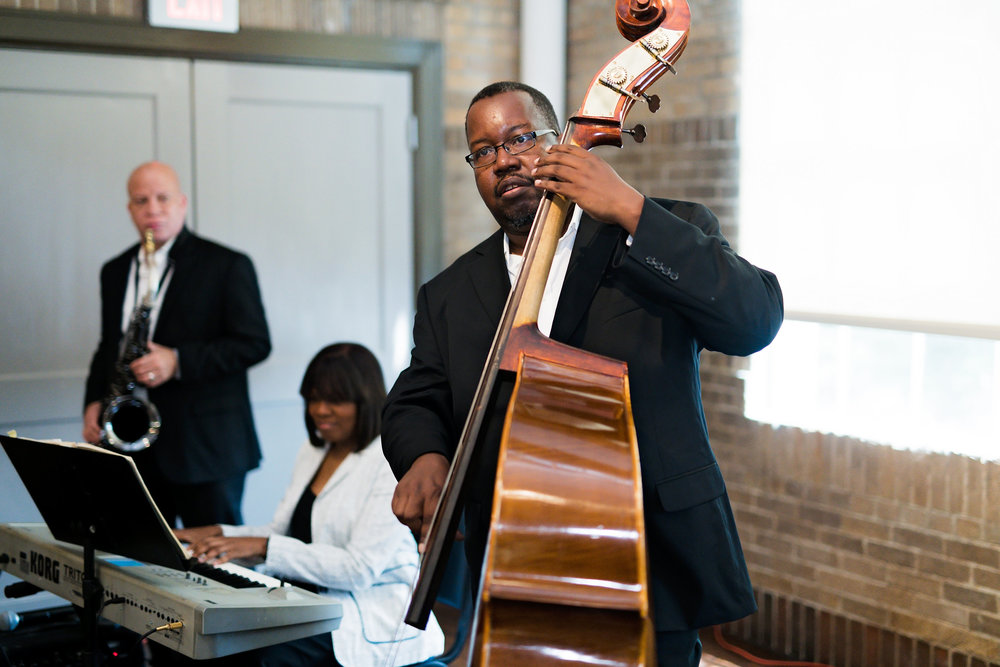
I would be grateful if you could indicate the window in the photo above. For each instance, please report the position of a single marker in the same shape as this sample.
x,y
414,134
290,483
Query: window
x,y
913,390
870,154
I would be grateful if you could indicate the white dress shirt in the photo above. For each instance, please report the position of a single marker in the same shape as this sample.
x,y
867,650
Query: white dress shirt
x,y
557,273
157,272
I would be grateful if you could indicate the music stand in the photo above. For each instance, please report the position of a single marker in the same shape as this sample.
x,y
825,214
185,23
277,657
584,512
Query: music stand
x,y
94,498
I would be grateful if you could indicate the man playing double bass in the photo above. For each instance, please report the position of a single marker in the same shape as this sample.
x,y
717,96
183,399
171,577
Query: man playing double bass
x,y
647,281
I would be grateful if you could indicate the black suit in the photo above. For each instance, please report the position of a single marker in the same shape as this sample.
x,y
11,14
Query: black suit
x,y
213,316
678,289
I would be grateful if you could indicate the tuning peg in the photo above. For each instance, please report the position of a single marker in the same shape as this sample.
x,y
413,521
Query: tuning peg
x,y
638,132
653,101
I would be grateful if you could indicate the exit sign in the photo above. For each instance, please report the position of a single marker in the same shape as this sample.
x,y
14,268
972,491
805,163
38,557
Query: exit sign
x,y
217,15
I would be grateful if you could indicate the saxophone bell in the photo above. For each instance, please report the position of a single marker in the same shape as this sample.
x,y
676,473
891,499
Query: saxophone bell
x,y
130,424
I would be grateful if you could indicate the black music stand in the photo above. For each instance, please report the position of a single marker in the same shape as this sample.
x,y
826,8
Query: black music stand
x,y
94,498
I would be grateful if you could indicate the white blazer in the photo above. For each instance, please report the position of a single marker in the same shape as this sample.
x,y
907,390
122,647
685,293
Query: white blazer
x,y
360,553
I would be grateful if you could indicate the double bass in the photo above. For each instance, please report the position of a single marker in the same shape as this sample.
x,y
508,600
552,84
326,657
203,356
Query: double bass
x,y
565,575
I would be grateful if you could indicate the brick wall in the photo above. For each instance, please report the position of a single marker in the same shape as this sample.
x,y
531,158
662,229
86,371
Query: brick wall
x,y
481,46
860,555
867,555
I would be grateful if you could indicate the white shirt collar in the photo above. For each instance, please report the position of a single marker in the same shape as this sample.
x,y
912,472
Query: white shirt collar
x,y
557,273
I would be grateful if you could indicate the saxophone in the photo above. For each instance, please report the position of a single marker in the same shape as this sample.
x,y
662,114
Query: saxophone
x,y
131,423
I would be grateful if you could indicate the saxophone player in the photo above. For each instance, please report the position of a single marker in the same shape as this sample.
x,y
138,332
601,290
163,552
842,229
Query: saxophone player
x,y
207,328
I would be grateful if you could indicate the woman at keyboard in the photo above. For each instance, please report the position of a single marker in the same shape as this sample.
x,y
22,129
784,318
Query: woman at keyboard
x,y
334,530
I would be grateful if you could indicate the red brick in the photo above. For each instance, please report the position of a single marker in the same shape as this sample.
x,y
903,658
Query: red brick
x,y
918,539
986,578
971,598
974,553
891,554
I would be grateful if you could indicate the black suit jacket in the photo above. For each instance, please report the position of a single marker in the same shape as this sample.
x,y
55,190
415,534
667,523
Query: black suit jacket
x,y
213,315
678,289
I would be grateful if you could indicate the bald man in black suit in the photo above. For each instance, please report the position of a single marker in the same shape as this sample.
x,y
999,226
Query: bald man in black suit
x,y
209,328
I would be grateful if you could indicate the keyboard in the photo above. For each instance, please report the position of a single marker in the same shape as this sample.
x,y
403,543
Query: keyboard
x,y
217,618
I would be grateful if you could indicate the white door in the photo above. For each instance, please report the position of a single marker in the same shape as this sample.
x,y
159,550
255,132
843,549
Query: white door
x,y
308,170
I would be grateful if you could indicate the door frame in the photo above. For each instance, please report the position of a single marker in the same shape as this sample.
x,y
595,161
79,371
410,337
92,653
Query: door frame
x,y
422,59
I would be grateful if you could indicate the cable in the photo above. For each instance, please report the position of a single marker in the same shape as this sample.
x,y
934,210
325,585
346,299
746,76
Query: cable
x,y
721,641
176,625
105,602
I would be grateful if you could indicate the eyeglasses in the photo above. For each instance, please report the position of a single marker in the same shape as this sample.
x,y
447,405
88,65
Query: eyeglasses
x,y
487,155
